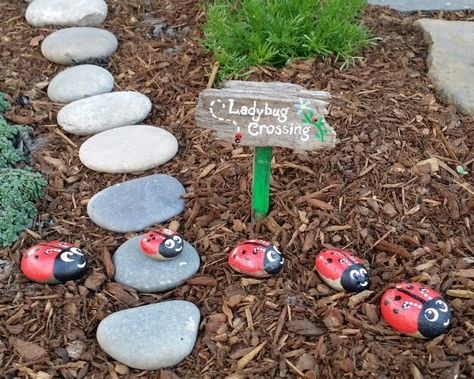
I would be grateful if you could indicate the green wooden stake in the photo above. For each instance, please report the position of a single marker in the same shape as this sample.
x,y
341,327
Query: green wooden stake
x,y
261,182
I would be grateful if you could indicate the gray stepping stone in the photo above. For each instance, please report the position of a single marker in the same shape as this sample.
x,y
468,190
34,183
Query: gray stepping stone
x,y
152,336
425,5
128,149
78,44
98,113
79,82
66,12
137,204
450,60
137,270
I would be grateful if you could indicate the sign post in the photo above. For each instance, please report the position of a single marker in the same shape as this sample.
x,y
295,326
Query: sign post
x,y
264,115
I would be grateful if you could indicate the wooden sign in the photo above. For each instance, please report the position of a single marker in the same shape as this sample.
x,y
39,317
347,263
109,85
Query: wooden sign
x,y
267,114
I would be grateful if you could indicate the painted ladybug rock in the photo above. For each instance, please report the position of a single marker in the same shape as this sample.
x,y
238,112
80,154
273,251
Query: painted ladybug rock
x,y
53,262
342,271
256,258
416,310
162,244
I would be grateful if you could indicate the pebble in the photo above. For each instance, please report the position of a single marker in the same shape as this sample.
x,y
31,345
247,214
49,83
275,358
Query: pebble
x,y
416,310
79,82
98,113
128,149
135,269
151,336
6,269
342,271
137,204
53,262
162,244
66,12
256,258
78,44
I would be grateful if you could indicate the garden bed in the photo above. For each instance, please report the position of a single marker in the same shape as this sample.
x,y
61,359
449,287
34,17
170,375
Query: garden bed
x,y
368,194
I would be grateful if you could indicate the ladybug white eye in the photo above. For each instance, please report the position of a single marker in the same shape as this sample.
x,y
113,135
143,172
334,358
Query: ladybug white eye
x,y
76,250
67,256
363,272
272,256
342,261
431,314
443,307
177,239
169,244
354,274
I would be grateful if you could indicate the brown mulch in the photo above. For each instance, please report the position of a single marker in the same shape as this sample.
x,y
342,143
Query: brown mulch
x,y
410,221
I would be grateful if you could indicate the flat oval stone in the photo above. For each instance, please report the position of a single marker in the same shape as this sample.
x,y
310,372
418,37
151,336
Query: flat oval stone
x,y
137,270
152,336
98,113
78,44
79,82
128,149
137,204
66,12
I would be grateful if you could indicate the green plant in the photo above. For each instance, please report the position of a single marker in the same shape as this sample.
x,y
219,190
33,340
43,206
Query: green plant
x,y
8,134
4,104
246,33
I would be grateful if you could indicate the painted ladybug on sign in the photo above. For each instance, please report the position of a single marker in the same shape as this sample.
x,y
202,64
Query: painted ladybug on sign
x,y
53,262
342,271
416,310
256,258
162,244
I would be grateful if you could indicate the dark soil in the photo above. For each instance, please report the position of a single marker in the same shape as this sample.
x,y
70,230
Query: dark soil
x,y
409,222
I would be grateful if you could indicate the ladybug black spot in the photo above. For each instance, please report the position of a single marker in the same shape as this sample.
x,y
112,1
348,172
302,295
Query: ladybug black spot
x,y
397,298
396,311
234,256
36,256
386,302
244,252
410,287
329,260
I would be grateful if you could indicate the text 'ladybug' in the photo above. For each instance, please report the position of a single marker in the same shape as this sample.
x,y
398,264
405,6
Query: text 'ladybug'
x,y
162,244
53,262
416,310
256,258
342,271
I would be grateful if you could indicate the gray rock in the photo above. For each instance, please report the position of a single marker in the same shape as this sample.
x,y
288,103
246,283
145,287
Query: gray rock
x,y
152,336
137,204
425,5
6,269
98,113
78,44
79,82
137,270
128,149
450,60
66,12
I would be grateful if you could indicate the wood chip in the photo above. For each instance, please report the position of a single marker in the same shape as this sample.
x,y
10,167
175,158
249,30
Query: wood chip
x,y
303,327
466,294
359,298
247,358
108,264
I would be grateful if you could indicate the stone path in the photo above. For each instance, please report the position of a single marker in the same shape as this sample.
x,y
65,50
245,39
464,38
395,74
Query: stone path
x,y
425,5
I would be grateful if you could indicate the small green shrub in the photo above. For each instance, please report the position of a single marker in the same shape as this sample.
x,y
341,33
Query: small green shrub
x,y
4,104
247,33
8,134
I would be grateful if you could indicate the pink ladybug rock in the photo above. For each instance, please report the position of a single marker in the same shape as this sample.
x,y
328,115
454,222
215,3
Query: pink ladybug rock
x,y
416,310
342,271
162,244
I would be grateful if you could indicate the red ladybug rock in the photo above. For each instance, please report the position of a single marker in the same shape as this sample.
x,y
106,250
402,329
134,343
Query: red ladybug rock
x,y
416,310
256,258
53,262
342,271
162,244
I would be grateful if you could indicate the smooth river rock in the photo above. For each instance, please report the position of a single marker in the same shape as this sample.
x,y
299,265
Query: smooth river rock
x,y
137,204
451,60
79,82
152,336
425,5
128,149
98,113
137,270
78,44
66,12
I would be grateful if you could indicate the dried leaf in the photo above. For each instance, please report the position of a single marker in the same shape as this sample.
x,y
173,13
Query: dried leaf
x,y
28,350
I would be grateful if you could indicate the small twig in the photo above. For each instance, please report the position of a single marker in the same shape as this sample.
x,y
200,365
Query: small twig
x,y
213,76
295,369
381,239
58,132
445,143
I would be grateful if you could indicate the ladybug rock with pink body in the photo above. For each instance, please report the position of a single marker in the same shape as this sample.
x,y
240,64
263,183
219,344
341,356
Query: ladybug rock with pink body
x,y
256,258
342,271
162,244
53,262
416,310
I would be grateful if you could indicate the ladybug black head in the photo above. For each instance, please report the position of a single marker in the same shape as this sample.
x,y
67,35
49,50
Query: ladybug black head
x,y
69,264
273,260
171,246
355,278
435,318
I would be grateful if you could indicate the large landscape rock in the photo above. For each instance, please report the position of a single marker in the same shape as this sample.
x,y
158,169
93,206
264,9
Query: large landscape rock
x,y
137,270
79,82
152,336
128,149
78,45
451,60
425,5
66,12
137,204
98,113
